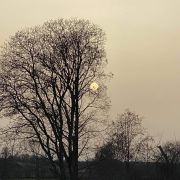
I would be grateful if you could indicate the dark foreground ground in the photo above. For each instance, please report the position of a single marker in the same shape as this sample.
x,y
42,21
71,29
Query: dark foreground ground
x,y
39,168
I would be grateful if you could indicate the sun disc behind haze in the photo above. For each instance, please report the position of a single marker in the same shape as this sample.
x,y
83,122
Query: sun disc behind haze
x,y
94,86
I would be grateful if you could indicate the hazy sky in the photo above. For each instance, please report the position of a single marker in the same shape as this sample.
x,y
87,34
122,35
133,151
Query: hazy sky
x,y
143,49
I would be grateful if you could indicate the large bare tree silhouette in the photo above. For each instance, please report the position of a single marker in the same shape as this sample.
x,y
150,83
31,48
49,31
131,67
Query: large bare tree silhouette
x,y
45,88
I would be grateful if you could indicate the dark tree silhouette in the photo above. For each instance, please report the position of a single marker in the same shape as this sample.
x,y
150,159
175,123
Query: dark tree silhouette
x,y
129,138
169,157
169,153
45,79
106,152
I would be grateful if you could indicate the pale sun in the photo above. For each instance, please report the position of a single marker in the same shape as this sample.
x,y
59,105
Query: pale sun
x,y
94,86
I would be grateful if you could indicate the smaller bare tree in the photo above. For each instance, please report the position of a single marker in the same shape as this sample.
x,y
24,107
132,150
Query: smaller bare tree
x,y
169,152
129,138
169,157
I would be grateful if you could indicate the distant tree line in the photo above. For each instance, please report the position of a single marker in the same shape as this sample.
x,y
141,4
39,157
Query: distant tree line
x,y
24,166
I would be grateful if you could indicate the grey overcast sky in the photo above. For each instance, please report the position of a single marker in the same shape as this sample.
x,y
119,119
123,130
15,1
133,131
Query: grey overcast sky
x,y
143,49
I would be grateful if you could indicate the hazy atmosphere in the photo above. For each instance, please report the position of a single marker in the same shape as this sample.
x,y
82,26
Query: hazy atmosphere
x,y
142,47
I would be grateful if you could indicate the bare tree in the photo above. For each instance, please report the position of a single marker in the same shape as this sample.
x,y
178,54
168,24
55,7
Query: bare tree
x,y
130,140
168,157
127,140
169,153
128,136
46,75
